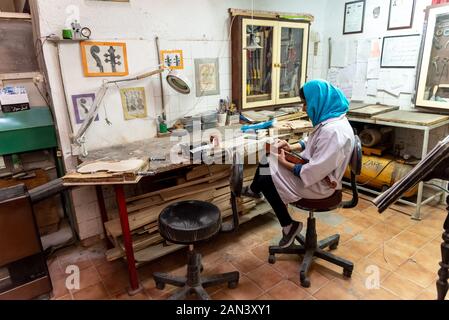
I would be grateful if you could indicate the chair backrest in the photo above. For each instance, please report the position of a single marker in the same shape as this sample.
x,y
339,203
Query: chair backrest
x,y
236,186
356,168
236,178
356,158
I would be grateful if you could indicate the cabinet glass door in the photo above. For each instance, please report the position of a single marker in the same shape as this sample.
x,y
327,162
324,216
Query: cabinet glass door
x,y
433,82
293,60
258,57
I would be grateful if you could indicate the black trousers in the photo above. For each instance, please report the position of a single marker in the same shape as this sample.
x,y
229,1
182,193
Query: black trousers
x,y
264,183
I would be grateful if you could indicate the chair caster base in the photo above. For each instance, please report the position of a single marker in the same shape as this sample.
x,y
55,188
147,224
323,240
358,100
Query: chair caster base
x,y
272,259
305,282
347,273
233,284
160,285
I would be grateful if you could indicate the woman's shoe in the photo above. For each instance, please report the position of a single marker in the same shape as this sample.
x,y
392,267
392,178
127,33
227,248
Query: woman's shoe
x,y
287,239
247,192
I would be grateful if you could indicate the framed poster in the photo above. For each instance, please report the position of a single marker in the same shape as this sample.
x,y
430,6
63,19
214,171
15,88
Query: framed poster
x,y
354,17
104,59
81,106
207,77
433,76
134,103
400,51
401,14
172,59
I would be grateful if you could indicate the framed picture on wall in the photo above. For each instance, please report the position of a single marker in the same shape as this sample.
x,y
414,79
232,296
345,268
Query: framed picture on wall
x,y
207,79
172,59
400,51
81,106
134,103
401,14
433,77
104,59
354,18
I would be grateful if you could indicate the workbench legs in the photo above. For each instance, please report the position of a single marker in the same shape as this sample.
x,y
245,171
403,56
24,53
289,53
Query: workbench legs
x,y
103,214
135,286
443,273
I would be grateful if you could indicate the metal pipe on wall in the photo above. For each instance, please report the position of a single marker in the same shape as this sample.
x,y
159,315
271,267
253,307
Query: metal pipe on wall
x,y
160,78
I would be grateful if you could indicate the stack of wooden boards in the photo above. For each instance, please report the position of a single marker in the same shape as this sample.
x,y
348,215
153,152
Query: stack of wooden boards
x,y
204,183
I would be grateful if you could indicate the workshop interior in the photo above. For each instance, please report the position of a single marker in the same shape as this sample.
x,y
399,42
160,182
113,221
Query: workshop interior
x,y
153,150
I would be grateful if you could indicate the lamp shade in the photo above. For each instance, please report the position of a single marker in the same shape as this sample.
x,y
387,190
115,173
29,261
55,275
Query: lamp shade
x,y
178,82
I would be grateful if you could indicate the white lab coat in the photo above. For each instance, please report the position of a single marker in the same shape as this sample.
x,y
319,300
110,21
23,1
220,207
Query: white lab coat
x,y
328,149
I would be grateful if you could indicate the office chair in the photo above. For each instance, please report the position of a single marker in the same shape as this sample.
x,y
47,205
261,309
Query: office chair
x,y
309,246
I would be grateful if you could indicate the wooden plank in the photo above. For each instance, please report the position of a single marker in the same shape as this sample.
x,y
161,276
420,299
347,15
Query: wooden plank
x,y
371,110
154,252
15,15
413,118
142,242
114,254
19,76
270,14
357,105
202,171
144,203
185,185
174,194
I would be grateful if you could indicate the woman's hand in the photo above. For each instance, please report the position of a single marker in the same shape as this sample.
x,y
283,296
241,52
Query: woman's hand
x,y
282,144
284,162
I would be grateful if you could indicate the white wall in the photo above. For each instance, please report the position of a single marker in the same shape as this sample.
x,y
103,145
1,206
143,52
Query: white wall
x,y
198,27
373,28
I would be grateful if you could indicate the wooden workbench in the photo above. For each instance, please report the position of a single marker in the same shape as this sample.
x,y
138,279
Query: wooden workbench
x,y
158,149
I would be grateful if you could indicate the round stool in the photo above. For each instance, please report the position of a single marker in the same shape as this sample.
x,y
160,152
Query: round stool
x,y
190,222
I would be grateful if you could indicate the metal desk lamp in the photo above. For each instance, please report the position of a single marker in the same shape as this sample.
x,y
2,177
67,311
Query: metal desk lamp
x,y
175,79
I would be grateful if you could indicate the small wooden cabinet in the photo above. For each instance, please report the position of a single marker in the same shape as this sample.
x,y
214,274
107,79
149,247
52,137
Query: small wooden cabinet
x,y
269,61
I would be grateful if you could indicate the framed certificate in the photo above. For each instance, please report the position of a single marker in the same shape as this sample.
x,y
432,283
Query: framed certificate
x,y
354,17
400,51
401,14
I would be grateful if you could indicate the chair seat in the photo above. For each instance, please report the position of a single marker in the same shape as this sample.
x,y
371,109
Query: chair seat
x,y
188,222
317,205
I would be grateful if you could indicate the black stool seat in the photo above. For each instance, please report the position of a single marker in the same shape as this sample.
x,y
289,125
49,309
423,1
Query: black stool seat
x,y
189,222
321,205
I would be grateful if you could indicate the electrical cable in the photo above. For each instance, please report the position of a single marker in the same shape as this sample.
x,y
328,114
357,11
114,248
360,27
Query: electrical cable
x,y
377,176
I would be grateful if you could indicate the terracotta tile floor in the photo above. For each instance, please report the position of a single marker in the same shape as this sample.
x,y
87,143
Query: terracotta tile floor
x,y
398,255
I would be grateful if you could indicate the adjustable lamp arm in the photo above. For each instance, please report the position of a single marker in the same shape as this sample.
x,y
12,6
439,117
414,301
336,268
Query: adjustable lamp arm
x,y
78,139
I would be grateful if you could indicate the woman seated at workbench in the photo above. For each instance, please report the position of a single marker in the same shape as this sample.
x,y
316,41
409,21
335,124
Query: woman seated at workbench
x,y
327,153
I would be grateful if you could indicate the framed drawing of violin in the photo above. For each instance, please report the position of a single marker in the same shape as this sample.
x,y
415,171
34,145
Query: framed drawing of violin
x,y
102,59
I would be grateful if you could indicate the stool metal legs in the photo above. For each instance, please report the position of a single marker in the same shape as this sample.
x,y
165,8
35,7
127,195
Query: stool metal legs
x,y
311,248
194,282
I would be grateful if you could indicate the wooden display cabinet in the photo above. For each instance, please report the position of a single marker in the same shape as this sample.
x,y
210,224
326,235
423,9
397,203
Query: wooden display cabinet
x,y
272,74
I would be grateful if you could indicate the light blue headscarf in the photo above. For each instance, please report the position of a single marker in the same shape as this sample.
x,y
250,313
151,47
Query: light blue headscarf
x,y
324,101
